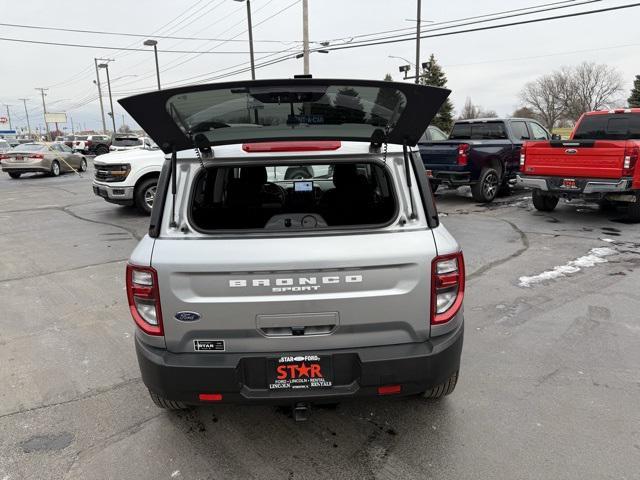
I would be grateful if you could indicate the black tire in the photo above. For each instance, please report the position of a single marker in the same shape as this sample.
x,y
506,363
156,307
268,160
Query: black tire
x,y
633,214
101,150
298,173
606,205
486,189
83,165
14,174
443,389
434,186
55,169
166,404
544,203
145,190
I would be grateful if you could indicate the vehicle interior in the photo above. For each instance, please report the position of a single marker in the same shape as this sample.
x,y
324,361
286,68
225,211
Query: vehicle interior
x,y
272,198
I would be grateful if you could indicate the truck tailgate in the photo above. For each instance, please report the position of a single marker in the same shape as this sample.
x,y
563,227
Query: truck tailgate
x,y
439,153
575,158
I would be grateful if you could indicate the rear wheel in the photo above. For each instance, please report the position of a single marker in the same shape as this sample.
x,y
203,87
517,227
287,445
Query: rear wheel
x,y
298,173
83,165
487,187
101,150
55,168
544,203
443,389
633,213
145,195
162,402
14,174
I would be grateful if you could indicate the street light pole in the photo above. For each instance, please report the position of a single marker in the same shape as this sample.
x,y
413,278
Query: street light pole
x,y
24,101
154,44
104,124
305,35
113,120
418,25
250,30
44,108
9,116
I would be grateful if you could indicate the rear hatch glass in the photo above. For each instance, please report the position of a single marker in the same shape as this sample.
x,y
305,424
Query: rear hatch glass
x,y
478,131
292,197
299,109
609,127
126,142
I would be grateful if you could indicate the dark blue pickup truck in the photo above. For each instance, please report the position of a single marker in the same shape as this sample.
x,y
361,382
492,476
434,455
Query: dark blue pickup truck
x,y
483,153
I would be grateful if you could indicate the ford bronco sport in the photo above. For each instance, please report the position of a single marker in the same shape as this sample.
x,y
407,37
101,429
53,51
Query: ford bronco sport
x,y
255,286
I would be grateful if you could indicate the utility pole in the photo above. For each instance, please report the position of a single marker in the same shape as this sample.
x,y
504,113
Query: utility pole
x,y
73,132
113,117
104,124
9,116
305,35
44,108
154,44
24,101
418,27
250,30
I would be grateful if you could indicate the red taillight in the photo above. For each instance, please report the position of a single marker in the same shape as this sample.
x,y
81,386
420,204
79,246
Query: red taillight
x,y
4,157
389,389
37,155
523,157
631,155
144,299
463,154
312,146
210,397
447,287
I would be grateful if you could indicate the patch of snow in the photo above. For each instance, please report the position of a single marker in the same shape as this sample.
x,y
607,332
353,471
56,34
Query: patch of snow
x,y
175,474
608,240
595,256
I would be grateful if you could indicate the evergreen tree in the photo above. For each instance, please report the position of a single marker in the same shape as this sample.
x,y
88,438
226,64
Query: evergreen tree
x,y
634,99
432,74
388,78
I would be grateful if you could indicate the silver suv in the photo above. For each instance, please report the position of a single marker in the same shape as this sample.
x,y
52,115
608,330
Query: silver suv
x,y
255,285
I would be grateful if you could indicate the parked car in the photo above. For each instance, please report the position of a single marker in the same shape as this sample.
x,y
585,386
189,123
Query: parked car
x,y
4,145
129,177
68,140
92,144
483,153
52,158
121,143
433,134
250,289
599,163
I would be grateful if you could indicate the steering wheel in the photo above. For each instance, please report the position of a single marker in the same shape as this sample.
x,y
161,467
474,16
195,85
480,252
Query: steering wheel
x,y
275,189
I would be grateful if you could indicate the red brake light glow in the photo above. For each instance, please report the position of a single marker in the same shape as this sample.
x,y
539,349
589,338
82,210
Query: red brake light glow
x,y
144,299
210,397
389,389
309,146
463,154
447,287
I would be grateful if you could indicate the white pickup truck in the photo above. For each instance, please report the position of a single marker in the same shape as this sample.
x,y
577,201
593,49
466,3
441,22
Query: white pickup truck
x,y
128,177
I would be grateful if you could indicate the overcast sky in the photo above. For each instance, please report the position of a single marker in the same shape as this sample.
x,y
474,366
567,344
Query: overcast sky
x,y
489,66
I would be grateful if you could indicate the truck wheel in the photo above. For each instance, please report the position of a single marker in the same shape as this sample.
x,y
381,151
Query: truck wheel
x,y
298,173
633,213
14,174
145,195
487,187
443,389
166,404
101,150
544,203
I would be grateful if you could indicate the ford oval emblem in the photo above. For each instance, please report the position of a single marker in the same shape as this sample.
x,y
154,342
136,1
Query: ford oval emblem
x,y
187,316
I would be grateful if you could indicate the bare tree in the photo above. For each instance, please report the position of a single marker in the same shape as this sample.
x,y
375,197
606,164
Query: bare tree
x,y
470,111
542,96
591,86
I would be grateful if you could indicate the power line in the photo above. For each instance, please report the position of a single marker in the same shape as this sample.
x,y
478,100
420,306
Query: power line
x,y
106,47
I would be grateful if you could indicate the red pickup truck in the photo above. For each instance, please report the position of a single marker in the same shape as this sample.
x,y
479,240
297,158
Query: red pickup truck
x,y
598,163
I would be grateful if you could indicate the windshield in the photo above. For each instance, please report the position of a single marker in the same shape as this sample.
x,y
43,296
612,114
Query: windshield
x,y
29,147
478,131
293,197
267,112
609,127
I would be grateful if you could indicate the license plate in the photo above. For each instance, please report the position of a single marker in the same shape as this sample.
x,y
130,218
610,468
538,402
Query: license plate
x,y
430,173
569,183
18,158
299,372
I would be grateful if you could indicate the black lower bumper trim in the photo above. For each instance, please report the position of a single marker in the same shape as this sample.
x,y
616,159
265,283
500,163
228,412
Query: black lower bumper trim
x,y
241,378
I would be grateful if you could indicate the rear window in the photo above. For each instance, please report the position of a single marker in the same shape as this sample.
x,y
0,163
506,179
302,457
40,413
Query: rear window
x,y
292,197
126,142
81,137
609,127
29,147
478,131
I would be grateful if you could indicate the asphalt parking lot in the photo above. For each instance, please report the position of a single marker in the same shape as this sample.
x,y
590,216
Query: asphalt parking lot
x,y
549,383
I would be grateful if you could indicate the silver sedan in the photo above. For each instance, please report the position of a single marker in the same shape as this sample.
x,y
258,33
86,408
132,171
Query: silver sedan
x,y
53,158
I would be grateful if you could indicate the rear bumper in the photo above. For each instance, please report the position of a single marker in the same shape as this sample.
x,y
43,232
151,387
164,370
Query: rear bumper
x,y
242,378
449,177
585,186
114,194
26,167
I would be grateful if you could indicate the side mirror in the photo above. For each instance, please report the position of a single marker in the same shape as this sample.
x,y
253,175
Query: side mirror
x,y
555,136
